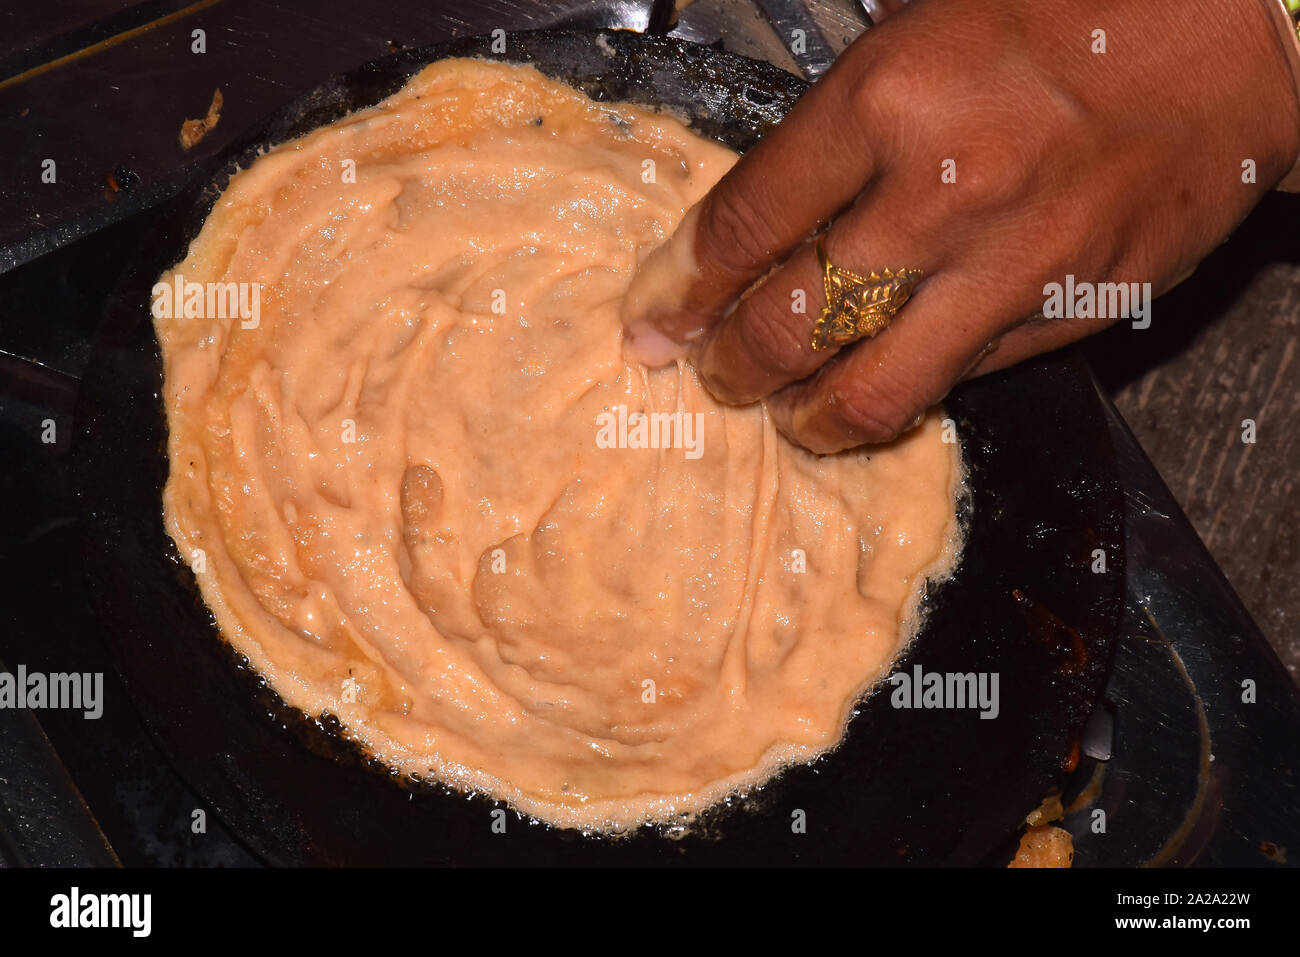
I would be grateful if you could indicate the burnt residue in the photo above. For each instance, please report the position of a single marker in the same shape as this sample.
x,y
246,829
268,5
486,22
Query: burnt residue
x,y
1060,637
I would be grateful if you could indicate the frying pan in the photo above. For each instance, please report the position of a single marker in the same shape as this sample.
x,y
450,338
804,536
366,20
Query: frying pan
x,y
905,786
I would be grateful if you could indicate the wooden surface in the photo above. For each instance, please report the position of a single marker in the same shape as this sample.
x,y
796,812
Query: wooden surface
x,y
1222,348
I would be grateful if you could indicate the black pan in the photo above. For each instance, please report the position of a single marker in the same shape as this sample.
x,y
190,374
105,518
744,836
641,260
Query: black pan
x,y
906,786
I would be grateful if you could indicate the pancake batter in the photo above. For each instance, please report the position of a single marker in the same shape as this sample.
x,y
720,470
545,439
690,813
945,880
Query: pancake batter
x,y
421,487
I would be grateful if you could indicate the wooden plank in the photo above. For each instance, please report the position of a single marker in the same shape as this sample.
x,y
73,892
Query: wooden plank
x,y
1222,349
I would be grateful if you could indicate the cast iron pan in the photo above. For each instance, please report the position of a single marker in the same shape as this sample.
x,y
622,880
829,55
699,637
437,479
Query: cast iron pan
x,y
906,786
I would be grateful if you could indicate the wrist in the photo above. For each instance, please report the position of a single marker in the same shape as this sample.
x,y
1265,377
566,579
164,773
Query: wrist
x,y
1221,73
1285,16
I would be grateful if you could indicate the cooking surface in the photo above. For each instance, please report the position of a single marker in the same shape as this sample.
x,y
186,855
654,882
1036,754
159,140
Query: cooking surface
x,y
1223,351
1193,774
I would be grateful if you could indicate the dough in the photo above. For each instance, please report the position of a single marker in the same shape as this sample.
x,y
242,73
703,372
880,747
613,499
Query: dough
x,y
417,493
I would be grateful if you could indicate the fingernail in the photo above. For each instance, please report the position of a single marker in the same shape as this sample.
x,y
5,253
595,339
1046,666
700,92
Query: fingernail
x,y
651,347
814,433
653,313
712,374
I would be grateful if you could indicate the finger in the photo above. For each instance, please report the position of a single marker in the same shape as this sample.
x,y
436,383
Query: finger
x,y
1037,334
878,388
1030,338
878,10
808,168
765,343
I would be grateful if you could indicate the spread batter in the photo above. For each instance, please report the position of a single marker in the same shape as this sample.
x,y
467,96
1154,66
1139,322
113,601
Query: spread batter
x,y
422,488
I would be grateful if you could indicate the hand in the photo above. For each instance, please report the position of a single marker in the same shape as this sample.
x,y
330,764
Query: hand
x,y
1116,166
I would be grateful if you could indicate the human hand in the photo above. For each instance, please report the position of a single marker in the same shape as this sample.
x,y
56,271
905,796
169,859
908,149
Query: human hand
x,y
990,146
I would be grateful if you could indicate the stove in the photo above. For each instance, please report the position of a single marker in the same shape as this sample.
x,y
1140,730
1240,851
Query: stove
x,y
1191,758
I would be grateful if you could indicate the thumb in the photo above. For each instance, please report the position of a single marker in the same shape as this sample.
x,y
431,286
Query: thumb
x,y
658,318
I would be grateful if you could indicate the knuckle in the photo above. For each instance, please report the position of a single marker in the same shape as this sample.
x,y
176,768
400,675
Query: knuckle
x,y
990,177
773,341
752,357
879,103
735,236
1060,250
870,414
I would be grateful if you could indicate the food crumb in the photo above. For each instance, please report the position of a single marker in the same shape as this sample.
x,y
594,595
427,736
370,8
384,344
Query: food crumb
x,y
1273,852
1043,844
194,130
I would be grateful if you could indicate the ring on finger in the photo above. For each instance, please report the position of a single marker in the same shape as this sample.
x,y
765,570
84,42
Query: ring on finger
x,y
858,307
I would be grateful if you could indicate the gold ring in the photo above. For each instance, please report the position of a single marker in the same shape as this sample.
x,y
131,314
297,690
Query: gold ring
x,y
858,307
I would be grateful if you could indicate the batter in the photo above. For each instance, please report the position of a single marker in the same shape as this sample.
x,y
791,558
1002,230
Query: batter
x,y
421,487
